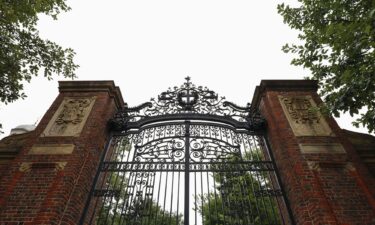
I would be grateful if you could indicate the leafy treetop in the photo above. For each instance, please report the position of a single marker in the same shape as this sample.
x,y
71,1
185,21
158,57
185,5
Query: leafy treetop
x,y
23,52
338,40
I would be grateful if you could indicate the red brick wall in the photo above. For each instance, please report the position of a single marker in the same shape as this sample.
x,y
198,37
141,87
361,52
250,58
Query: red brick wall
x,y
3,168
339,190
43,195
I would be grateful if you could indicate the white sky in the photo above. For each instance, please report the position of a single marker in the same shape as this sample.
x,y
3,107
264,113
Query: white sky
x,y
146,46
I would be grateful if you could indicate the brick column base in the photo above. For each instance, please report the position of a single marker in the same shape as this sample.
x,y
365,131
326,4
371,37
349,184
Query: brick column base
x,y
323,177
49,180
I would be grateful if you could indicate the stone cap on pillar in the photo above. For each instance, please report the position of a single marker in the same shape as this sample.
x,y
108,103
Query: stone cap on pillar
x,y
282,85
93,86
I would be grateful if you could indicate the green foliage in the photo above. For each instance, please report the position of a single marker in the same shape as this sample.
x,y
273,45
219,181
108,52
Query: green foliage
x,y
239,206
131,210
139,212
23,52
233,200
338,47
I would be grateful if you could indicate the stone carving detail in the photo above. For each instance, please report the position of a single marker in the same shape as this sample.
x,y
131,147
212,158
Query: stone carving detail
x,y
313,165
73,111
322,148
350,167
60,166
302,118
300,110
25,167
318,166
51,149
70,118
56,166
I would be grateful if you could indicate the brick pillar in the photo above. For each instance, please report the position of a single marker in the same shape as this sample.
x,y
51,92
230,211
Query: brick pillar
x,y
50,179
323,178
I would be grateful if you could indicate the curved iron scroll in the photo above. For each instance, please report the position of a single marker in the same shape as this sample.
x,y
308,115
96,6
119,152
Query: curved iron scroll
x,y
187,102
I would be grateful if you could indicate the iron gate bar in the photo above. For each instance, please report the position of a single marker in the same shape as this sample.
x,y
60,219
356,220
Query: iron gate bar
x,y
192,122
253,123
193,166
92,190
281,185
187,175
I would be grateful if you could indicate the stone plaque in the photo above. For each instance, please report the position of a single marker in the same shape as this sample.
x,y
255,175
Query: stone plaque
x,y
330,148
55,166
70,117
303,120
52,149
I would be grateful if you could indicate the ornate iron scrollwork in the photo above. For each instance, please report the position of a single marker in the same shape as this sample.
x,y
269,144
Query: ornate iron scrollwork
x,y
187,102
187,155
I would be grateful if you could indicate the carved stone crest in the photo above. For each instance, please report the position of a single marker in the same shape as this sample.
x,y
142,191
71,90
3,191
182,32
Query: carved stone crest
x,y
300,110
70,117
303,119
73,111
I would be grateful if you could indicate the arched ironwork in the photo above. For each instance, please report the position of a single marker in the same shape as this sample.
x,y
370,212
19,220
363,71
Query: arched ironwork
x,y
187,157
188,102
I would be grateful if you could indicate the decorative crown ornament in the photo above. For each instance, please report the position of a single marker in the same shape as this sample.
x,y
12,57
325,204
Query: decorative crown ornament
x,y
187,102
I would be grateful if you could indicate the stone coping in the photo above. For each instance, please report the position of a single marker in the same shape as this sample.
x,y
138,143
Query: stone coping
x,y
281,85
93,86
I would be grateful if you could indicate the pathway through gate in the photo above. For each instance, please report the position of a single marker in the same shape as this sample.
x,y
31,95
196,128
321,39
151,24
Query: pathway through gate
x,y
188,157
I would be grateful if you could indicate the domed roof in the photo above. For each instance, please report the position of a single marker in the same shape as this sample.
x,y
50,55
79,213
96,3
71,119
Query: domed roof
x,y
22,129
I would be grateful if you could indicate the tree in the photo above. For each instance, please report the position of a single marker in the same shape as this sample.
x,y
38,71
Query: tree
x,y
130,209
233,201
140,211
127,207
338,47
23,53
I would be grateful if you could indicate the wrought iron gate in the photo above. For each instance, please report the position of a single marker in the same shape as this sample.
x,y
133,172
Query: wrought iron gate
x,y
188,157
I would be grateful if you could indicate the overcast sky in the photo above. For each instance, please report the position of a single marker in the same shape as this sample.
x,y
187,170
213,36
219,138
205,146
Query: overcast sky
x,y
146,46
